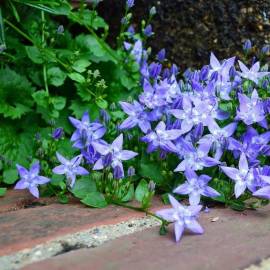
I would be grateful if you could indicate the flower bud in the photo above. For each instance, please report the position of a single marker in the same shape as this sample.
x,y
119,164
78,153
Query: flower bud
x,y
58,133
247,45
153,11
130,3
151,186
131,171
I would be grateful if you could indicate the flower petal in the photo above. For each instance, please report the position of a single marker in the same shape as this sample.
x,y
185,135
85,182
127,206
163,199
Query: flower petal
x,y
98,165
34,191
243,163
183,189
194,198
232,173
21,184
178,230
126,154
118,142
61,158
194,227
263,193
61,169
239,188
35,168
22,171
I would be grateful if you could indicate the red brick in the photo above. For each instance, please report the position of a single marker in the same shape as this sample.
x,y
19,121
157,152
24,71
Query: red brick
x,y
233,242
26,228
18,199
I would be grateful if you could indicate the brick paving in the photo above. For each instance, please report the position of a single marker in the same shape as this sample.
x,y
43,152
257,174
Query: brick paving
x,y
234,241
28,227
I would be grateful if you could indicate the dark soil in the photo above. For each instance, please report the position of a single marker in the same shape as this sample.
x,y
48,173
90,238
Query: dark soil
x,y
191,29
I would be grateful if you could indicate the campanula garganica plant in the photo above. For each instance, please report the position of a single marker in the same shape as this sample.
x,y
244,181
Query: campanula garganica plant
x,y
137,125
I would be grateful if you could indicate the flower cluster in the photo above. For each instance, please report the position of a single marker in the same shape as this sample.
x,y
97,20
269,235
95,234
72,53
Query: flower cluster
x,y
205,119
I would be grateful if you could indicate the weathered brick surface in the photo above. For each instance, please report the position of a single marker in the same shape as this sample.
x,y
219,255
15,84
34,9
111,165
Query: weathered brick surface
x,y
233,242
27,227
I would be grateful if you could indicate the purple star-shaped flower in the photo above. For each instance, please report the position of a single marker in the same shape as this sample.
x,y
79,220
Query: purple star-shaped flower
x,y
243,177
251,110
86,132
136,116
161,138
222,69
183,217
252,144
195,186
70,168
196,158
253,73
264,191
113,155
218,137
30,179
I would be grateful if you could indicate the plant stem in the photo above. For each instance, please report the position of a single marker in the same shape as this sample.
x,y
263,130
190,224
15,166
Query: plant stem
x,y
43,44
33,42
19,31
140,209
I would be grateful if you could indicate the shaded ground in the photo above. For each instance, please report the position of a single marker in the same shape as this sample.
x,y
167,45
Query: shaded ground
x,y
190,29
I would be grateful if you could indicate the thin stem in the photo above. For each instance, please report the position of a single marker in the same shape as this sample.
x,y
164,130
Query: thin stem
x,y
33,42
163,221
19,31
43,44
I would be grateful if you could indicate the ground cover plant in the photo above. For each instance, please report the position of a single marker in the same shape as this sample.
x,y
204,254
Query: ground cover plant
x,y
108,125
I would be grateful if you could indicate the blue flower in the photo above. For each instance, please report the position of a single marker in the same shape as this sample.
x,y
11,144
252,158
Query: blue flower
x,y
31,179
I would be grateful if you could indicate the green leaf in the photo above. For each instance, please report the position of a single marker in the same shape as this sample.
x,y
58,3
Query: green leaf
x,y
151,171
84,186
41,98
62,198
3,191
56,76
59,103
141,191
237,205
130,194
10,176
102,103
34,54
77,77
15,94
95,199
98,48
58,180
81,65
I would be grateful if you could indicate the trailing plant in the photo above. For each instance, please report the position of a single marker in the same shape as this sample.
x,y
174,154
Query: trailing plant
x,y
202,134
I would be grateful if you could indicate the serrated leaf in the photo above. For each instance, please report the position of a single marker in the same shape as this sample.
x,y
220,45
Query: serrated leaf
x,y
141,190
15,94
95,199
83,187
3,192
10,176
56,76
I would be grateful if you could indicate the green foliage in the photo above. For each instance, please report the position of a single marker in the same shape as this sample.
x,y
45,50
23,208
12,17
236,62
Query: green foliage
x,y
95,199
46,76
